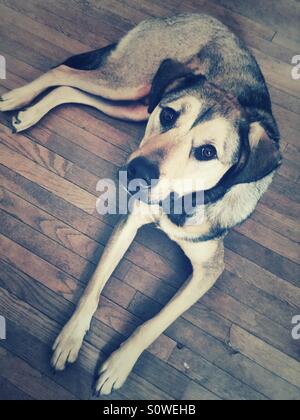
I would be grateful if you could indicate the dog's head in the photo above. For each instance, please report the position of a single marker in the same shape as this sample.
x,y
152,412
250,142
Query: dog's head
x,y
199,137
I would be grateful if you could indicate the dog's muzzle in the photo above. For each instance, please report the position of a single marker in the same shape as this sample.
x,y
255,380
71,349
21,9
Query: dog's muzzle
x,y
142,169
142,177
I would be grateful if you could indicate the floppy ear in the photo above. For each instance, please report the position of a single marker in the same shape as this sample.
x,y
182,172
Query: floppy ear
x,y
171,74
261,154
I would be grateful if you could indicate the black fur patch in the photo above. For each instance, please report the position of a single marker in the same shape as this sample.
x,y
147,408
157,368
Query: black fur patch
x,y
204,116
91,60
169,72
215,233
210,196
255,98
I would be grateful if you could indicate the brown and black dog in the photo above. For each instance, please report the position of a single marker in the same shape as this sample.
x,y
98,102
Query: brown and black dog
x,y
210,121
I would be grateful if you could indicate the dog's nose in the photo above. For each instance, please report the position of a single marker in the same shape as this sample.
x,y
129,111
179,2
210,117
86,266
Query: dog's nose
x,y
142,168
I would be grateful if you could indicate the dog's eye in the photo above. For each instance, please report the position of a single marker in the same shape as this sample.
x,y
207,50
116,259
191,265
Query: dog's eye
x,y
168,117
205,153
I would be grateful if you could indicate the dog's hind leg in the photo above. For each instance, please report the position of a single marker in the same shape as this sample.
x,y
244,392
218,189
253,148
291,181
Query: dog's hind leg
x,y
132,111
21,97
90,72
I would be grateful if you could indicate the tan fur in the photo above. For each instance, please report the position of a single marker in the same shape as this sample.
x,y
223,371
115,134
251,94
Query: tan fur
x,y
257,133
63,95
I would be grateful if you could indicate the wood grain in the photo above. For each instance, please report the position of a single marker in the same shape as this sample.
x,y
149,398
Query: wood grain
x,y
29,380
265,355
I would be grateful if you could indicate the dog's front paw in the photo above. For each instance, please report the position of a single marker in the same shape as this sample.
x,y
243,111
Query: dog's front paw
x,y
15,99
67,346
25,119
115,371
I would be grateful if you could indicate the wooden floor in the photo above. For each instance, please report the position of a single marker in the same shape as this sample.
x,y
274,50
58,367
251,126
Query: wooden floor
x,y
236,343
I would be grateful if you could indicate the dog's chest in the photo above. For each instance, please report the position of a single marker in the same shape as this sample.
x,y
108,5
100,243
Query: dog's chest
x,y
190,231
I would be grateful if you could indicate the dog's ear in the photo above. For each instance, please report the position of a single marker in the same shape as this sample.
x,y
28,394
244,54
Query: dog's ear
x,y
260,151
171,74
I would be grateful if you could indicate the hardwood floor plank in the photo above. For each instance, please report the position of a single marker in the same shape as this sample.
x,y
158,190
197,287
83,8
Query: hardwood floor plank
x,y
44,47
233,311
203,315
8,392
285,100
146,308
42,63
286,188
265,355
263,279
171,380
284,16
35,351
289,117
97,23
220,355
55,163
48,180
45,248
287,226
261,326
282,40
290,170
271,385
55,206
292,153
281,204
134,11
278,74
29,380
241,24
46,16
271,240
87,224
266,258
51,227
23,22
261,301
224,305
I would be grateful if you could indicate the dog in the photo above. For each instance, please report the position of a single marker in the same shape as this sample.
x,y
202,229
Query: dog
x,y
209,119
